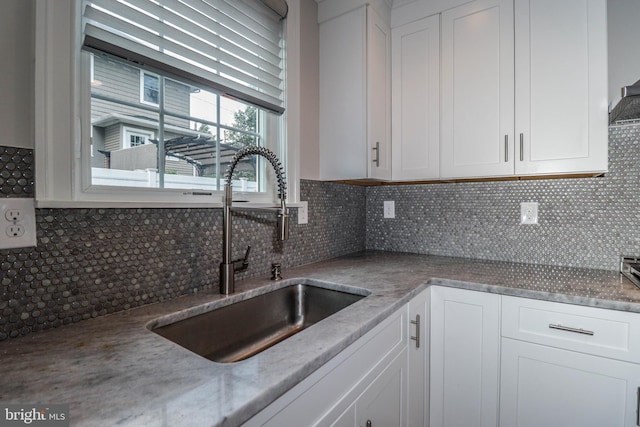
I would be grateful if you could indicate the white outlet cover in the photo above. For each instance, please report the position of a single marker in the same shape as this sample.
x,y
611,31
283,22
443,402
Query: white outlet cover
x,y
389,209
303,213
529,213
26,225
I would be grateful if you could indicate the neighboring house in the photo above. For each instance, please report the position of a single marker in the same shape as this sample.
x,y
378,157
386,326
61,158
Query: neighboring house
x,y
123,134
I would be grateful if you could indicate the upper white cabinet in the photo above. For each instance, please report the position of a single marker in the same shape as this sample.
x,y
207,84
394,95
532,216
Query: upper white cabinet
x,y
355,96
415,50
477,90
540,111
561,86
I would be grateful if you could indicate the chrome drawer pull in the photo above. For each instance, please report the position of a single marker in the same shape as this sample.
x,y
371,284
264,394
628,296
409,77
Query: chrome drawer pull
x,y
638,406
569,329
417,337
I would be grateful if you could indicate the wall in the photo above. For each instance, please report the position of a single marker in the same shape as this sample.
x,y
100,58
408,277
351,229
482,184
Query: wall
x,y
16,84
587,222
624,36
91,262
309,92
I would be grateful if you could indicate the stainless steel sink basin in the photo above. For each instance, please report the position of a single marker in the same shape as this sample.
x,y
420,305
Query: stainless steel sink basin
x,y
240,330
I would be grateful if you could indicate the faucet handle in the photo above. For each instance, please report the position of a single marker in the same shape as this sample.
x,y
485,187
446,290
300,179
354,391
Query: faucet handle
x,y
246,256
242,263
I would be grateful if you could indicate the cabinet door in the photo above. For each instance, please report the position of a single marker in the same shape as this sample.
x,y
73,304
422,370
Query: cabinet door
x,y
545,386
465,354
343,84
378,102
415,49
561,86
477,90
346,419
383,403
418,352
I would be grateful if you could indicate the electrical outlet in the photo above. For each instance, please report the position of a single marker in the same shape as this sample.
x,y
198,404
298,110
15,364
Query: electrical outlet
x,y
14,215
529,213
389,209
303,213
17,223
15,231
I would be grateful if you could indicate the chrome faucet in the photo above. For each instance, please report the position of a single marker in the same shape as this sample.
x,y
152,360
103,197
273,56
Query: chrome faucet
x,y
229,267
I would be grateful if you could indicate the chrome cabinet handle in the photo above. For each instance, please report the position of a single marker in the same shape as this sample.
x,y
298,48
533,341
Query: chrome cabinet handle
x,y
369,423
521,147
570,329
506,148
417,337
638,406
376,160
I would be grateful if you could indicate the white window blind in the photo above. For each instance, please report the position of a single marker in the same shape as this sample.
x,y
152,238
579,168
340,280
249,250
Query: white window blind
x,y
232,46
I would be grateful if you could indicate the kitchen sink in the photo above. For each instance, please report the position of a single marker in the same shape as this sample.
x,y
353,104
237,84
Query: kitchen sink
x,y
240,330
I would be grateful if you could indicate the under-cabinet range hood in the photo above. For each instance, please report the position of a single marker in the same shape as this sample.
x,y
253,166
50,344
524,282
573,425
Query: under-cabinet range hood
x,y
629,106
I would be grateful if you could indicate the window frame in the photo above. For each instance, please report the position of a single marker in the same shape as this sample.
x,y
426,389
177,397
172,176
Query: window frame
x,y
128,131
63,127
144,73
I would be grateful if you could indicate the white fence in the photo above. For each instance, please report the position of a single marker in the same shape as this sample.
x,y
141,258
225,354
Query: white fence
x,y
150,178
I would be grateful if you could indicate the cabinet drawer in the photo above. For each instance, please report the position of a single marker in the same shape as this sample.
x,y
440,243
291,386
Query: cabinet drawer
x,y
590,330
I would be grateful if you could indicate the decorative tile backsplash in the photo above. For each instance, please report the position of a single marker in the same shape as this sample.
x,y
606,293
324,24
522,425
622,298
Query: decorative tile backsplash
x,y
586,222
91,262
16,172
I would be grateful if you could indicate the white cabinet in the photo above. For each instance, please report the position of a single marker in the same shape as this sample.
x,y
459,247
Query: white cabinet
x,y
566,365
418,353
381,404
561,86
415,50
551,387
540,111
355,96
464,357
368,381
477,90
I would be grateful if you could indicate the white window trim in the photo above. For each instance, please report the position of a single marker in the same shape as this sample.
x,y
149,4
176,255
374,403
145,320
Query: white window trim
x,y
128,131
142,74
60,100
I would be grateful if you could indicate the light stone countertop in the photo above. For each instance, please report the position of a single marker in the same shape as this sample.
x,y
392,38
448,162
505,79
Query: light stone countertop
x,y
112,370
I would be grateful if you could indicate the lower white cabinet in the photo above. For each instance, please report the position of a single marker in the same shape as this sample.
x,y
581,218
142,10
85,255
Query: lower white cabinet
x,y
552,387
465,358
367,384
418,353
382,403
557,365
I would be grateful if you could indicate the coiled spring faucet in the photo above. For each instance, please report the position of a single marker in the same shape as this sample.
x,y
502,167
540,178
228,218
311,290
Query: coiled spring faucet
x,y
228,267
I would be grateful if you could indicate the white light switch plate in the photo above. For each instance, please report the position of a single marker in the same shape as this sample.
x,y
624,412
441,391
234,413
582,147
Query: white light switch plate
x,y
303,213
17,223
389,209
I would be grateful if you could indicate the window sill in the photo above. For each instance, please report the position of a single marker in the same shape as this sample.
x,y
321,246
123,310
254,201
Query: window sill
x,y
153,205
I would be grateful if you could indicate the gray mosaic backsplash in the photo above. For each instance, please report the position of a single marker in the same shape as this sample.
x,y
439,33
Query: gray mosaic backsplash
x,y
586,222
91,262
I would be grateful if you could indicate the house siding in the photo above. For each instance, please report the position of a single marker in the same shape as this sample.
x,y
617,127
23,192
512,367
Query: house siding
x,y
122,81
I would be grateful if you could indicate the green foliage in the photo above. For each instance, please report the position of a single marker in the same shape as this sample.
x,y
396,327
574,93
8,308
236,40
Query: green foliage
x,y
243,120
